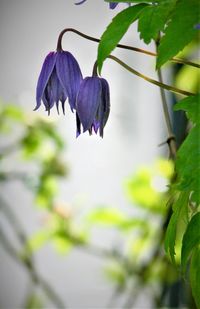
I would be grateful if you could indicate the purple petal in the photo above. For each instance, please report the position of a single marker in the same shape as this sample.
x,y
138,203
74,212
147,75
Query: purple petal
x,y
113,5
96,126
88,101
45,74
69,75
57,90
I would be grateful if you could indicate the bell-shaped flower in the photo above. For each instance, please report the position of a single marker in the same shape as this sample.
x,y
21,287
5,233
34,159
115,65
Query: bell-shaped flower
x,y
59,80
93,105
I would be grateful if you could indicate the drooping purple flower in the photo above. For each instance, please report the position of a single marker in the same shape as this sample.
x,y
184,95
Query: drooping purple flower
x,y
197,27
59,80
111,5
93,105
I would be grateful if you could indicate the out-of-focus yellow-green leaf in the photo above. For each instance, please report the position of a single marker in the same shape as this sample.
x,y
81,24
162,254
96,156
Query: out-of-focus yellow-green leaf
x,y
146,188
116,273
62,244
188,79
10,117
160,271
38,240
140,191
164,167
33,301
106,216
113,217
41,140
14,112
46,191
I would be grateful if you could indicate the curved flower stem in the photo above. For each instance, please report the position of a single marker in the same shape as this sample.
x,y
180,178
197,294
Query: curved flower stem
x,y
150,80
139,50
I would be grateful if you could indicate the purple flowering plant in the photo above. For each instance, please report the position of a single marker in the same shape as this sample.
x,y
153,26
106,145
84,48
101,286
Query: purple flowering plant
x,y
164,23
61,79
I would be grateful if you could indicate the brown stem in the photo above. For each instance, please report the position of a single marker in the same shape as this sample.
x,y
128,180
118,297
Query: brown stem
x,y
139,50
152,81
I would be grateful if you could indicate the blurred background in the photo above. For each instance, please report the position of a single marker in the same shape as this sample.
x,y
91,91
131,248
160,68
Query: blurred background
x,y
81,220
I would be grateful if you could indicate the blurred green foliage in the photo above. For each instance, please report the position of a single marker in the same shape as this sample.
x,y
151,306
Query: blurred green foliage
x,y
137,260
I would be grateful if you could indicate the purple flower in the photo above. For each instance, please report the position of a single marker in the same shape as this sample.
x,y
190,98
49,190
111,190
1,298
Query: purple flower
x,y
111,5
59,80
93,105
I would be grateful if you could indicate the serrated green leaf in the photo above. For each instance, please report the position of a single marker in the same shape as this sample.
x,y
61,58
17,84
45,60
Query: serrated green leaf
x,y
195,275
153,18
191,239
115,31
191,106
180,30
188,164
179,214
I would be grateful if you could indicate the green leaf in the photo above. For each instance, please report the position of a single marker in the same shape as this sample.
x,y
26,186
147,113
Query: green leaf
x,y
180,30
191,239
116,30
195,275
191,106
188,164
153,18
179,214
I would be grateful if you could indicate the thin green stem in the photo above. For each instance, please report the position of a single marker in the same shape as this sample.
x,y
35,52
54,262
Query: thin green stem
x,y
171,137
150,80
139,50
